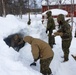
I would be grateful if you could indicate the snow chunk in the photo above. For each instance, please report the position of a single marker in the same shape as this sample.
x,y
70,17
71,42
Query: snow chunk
x,y
56,12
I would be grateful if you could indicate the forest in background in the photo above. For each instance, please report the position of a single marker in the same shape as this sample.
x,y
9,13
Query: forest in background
x,y
18,7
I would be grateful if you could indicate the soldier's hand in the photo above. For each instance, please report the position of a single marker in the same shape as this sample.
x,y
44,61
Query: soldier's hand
x,y
58,33
46,31
61,34
33,64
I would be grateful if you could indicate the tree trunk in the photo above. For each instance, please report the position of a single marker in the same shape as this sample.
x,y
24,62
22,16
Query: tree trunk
x,y
4,10
20,12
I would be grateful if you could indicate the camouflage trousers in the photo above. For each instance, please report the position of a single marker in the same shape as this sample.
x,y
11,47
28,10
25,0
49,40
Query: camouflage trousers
x,y
44,66
51,40
65,47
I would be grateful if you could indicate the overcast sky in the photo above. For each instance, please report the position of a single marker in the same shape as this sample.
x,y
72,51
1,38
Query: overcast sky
x,y
39,3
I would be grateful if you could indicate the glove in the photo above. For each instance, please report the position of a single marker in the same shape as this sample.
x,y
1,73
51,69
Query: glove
x,y
58,33
46,31
33,64
61,34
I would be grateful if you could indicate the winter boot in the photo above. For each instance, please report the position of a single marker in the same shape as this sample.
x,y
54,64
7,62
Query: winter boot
x,y
65,60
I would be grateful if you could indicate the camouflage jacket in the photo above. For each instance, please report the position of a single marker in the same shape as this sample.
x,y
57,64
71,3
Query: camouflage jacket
x,y
50,24
65,28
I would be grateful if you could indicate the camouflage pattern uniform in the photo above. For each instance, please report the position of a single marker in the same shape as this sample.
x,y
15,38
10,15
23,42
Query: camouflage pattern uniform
x,y
66,36
41,50
50,27
44,67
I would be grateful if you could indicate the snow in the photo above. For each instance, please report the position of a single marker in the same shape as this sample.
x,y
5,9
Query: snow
x,y
56,12
44,2
18,63
54,2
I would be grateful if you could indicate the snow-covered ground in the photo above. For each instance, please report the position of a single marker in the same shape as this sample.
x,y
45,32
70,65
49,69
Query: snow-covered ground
x,y
18,63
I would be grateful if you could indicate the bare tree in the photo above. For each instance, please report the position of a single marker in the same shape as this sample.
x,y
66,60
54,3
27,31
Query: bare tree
x,y
17,7
20,5
4,10
29,20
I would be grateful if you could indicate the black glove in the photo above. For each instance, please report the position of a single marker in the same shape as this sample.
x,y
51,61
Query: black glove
x,y
46,31
33,64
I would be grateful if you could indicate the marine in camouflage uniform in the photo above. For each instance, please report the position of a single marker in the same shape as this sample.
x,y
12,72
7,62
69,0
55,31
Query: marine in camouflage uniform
x,y
50,27
66,35
41,50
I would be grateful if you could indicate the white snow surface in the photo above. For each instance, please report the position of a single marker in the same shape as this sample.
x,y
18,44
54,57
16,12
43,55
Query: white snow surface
x,y
56,12
56,2
18,63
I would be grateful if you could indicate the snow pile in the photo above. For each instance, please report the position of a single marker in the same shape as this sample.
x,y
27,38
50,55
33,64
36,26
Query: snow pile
x,y
56,12
18,63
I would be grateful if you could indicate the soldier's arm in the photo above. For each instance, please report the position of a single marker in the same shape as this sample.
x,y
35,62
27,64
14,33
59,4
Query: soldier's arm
x,y
35,52
49,23
21,41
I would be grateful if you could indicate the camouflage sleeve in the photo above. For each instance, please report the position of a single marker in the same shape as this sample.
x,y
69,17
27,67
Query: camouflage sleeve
x,y
66,31
60,30
35,52
50,24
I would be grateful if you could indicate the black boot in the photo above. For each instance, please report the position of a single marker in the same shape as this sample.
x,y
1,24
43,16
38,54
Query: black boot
x,y
65,59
